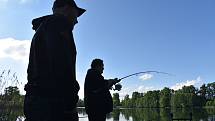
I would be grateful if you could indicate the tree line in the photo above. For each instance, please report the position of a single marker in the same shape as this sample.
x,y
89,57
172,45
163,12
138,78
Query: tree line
x,y
188,96
11,97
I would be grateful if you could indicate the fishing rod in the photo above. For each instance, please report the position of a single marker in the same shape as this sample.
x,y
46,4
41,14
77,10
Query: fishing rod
x,y
143,73
119,86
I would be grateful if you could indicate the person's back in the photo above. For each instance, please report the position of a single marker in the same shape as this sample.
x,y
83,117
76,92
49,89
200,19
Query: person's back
x,y
52,57
52,89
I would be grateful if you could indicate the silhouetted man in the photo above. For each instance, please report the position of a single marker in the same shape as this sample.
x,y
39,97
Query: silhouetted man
x,y
52,89
97,98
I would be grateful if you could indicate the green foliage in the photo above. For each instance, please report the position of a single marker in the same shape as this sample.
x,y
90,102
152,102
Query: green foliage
x,y
188,89
203,90
165,97
116,100
210,103
188,96
127,102
12,97
151,99
116,114
9,91
210,91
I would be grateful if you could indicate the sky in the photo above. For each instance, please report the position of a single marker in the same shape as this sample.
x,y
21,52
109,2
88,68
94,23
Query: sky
x,y
173,36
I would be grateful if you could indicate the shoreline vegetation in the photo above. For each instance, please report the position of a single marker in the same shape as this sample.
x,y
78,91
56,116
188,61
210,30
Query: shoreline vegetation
x,y
188,96
157,104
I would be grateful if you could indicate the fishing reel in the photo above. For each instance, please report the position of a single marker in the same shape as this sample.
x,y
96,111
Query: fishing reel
x,y
117,87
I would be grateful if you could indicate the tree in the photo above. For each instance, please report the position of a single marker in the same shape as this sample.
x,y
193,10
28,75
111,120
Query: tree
x,y
188,89
116,100
151,99
127,102
7,78
203,91
136,99
165,97
11,93
210,91
136,95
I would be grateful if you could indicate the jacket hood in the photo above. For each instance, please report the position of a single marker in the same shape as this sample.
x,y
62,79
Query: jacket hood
x,y
37,21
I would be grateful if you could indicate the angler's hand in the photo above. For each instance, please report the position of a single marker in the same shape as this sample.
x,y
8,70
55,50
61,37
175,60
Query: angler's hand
x,y
116,80
112,82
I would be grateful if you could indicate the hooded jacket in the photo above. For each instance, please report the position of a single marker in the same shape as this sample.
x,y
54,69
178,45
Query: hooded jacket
x,y
52,60
97,97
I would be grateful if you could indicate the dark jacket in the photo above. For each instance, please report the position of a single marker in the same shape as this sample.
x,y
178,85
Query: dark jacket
x,y
51,68
97,96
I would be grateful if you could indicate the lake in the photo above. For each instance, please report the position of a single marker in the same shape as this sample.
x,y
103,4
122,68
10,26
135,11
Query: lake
x,y
143,114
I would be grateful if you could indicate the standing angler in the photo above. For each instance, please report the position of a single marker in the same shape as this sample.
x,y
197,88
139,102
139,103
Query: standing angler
x,y
52,89
97,97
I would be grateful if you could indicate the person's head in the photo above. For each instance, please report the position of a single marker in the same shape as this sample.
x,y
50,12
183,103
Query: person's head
x,y
69,9
98,65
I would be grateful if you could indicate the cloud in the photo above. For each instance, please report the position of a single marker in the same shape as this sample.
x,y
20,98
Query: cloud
x,y
14,49
146,77
144,88
186,83
130,90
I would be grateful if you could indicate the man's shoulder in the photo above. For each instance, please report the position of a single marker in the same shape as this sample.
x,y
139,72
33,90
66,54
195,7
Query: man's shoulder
x,y
57,21
57,18
92,71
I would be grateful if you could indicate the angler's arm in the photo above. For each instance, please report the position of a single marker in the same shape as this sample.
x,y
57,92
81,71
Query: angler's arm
x,y
107,85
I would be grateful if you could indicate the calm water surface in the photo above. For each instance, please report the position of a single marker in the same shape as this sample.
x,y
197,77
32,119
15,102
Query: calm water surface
x,y
146,114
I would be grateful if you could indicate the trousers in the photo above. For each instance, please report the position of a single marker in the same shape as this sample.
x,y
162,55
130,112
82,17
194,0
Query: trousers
x,y
96,116
48,109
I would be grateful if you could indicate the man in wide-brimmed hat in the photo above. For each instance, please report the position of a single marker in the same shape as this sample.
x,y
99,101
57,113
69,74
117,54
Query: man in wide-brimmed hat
x,y
52,89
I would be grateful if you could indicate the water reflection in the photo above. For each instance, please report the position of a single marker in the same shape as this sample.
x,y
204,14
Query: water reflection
x,y
145,114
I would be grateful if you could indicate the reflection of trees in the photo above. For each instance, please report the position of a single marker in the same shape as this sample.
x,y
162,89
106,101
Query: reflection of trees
x,y
82,111
126,113
165,114
210,111
151,114
141,114
181,112
197,113
116,114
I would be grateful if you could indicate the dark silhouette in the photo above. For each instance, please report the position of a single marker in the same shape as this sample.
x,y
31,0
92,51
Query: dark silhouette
x,y
52,89
97,98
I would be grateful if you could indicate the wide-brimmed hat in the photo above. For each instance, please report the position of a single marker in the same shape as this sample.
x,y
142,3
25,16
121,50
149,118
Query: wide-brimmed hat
x,y
61,3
